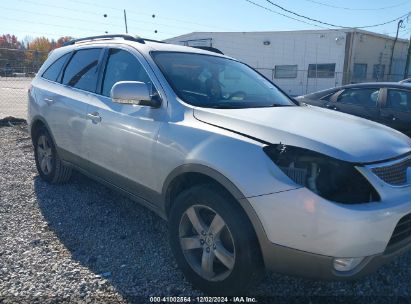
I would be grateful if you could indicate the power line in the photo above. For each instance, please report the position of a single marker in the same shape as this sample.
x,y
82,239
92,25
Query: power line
x,y
358,9
78,19
149,14
56,16
54,25
100,14
334,25
284,15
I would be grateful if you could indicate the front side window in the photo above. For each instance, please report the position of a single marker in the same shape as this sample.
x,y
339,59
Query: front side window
x,y
399,100
324,70
122,66
53,71
367,97
285,71
81,72
217,82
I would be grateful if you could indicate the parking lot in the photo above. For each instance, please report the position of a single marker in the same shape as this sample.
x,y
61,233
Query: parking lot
x,y
13,96
82,242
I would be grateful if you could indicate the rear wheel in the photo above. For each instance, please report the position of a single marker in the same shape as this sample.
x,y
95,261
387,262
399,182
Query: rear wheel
x,y
213,241
48,163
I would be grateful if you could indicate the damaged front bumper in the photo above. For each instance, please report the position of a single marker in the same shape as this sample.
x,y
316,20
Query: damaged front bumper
x,y
307,233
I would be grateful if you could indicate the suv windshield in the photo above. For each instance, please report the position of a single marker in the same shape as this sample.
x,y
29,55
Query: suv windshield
x,y
217,82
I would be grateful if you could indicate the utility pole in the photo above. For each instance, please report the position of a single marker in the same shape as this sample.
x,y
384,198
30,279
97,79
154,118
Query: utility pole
x,y
407,62
393,46
125,21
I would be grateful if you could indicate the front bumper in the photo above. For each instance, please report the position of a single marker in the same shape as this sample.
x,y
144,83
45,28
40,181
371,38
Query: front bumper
x,y
302,220
304,232
304,264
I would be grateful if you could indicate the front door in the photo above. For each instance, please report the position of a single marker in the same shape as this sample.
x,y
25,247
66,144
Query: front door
x,y
362,102
120,137
396,112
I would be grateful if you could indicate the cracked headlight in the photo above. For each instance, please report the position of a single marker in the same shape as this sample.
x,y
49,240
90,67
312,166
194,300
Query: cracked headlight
x,y
330,178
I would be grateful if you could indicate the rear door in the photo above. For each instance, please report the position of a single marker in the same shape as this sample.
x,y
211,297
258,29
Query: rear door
x,y
396,110
121,137
47,91
362,102
79,80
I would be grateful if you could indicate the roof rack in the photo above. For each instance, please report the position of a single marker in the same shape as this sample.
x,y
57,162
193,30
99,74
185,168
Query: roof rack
x,y
209,48
103,37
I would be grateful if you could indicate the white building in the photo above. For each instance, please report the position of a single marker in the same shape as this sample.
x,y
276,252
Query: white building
x,y
306,61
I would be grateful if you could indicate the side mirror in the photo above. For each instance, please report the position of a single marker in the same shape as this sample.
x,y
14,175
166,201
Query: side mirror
x,y
133,93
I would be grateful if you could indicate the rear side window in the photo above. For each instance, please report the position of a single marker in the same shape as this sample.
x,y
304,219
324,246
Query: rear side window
x,y
366,97
399,100
122,66
53,71
81,72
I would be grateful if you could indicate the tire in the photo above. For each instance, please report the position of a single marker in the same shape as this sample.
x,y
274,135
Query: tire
x,y
48,163
221,255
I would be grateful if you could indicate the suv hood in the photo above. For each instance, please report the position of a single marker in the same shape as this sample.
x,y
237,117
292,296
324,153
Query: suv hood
x,y
335,134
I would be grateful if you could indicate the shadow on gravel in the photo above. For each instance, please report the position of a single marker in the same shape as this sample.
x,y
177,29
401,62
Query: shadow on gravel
x,y
127,244
113,236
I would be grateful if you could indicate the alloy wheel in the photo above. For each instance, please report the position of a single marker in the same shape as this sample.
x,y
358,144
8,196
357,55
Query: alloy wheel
x,y
207,243
45,154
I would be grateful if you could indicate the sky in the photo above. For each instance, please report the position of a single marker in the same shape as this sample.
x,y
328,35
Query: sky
x,y
79,18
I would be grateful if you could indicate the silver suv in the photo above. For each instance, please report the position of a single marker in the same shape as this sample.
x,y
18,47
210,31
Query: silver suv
x,y
247,178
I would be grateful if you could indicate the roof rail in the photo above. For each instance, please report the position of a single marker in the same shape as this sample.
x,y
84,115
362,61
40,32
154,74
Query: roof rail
x,y
152,40
103,37
209,48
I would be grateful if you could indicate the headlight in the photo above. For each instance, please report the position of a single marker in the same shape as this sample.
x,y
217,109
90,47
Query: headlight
x,y
330,178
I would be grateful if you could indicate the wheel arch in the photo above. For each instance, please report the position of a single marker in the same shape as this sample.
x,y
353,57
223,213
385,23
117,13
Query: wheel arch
x,y
191,174
38,122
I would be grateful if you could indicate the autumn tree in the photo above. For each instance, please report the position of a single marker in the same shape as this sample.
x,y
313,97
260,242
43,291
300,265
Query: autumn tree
x,y
29,54
11,54
63,40
9,41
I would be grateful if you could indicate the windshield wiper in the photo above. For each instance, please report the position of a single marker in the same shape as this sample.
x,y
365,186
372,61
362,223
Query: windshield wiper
x,y
276,105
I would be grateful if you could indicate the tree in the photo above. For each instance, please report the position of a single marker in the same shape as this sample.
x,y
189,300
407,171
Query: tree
x,y
28,54
11,55
63,40
38,49
9,41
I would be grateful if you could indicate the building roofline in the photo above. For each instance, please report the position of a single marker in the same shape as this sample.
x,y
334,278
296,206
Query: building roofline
x,y
348,30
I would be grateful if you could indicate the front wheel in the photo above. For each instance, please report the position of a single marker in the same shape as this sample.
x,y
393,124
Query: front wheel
x,y
213,241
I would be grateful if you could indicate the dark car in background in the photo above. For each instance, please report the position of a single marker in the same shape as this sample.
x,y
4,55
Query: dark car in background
x,y
407,80
388,103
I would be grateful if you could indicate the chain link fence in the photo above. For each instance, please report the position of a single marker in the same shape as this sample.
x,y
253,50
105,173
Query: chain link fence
x,y
13,96
17,69
303,82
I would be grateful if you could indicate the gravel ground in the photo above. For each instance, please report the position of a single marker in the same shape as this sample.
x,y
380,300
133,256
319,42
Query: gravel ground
x,y
82,242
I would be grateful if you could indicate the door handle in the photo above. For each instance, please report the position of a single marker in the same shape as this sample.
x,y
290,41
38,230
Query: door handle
x,y
49,101
328,106
94,117
390,117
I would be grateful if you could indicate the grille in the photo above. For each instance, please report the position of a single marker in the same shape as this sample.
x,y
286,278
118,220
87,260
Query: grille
x,y
396,174
402,230
296,174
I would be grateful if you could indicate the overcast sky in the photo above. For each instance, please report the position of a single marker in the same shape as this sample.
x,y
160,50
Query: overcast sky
x,y
79,18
